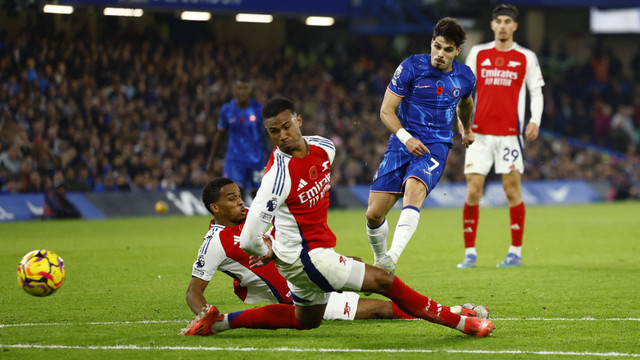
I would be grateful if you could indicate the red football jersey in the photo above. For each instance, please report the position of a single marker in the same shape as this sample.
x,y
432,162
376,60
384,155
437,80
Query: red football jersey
x,y
294,195
221,251
500,91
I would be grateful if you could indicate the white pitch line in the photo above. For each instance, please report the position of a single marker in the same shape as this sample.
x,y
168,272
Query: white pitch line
x,y
187,321
324,350
98,323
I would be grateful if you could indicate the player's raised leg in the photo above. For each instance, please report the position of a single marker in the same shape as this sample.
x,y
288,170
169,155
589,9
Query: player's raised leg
x,y
413,303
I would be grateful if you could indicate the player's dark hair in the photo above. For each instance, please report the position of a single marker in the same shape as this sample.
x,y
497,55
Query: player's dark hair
x,y
275,106
449,29
211,192
505,9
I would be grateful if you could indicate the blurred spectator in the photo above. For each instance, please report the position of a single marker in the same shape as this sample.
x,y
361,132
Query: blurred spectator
x,y
622,132
11,159
133,113
56,204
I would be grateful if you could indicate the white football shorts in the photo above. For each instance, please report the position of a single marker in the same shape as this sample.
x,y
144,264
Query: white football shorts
x,y
503,152
313,276
342,306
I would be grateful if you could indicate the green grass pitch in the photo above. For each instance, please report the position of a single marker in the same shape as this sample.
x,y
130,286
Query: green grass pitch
x,y
575,296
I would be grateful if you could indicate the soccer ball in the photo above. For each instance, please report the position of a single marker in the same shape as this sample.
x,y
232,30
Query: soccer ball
x,y
41,272
161,207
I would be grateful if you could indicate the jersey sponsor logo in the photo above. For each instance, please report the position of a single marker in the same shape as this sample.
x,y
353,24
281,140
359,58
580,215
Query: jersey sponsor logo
x,y
486,62
200,262
313,172
272,204
456,92
498,77
513,63
317,191
302,184
253,118
347,309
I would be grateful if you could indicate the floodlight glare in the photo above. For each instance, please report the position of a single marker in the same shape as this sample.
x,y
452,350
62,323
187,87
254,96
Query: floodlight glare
x,y
57,9
254,18
195,16
111,11
320,21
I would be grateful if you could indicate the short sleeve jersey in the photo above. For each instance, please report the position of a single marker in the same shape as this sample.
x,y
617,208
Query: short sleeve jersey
x,y
430,98
294,196
500,91
245,131
220,250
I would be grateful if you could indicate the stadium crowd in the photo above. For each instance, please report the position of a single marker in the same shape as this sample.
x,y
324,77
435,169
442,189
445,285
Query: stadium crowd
x,y
137,114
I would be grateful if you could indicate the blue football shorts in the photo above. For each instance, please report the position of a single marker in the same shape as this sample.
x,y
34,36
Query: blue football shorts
x,y
247,175
398,165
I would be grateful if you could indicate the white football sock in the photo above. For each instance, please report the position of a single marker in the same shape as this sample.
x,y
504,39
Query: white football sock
x,y
516,250
221,326
407,224
470,250
378,239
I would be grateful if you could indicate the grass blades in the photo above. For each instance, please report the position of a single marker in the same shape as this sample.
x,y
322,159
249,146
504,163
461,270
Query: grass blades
x,y
126,282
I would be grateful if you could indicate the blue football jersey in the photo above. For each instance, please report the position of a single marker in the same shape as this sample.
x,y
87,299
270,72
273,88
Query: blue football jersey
x,y
430,97
244,132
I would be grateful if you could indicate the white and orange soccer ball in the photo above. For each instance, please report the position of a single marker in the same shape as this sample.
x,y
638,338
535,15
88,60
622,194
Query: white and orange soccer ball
x,y
41,272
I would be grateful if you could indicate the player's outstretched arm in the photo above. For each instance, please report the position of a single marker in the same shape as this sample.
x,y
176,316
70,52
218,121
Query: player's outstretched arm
x,y
195,294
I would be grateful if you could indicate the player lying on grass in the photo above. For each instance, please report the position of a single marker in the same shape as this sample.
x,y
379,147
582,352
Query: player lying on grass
x,y
220,251
294,197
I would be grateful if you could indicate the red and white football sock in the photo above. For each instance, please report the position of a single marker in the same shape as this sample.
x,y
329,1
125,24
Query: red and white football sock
x,y
516,214
275,316
416,304
470,215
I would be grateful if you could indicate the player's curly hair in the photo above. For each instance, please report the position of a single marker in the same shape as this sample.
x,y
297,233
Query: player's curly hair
x,y
275,106
211,192
449,29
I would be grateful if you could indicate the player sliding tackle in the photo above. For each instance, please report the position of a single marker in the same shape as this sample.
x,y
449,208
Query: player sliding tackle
x,y
221,251
303,248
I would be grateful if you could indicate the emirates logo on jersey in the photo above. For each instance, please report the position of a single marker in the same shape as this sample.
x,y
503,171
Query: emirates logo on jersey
x,y
313,173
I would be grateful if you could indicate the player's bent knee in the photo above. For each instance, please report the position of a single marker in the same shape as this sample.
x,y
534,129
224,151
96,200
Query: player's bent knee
x,y
374,217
